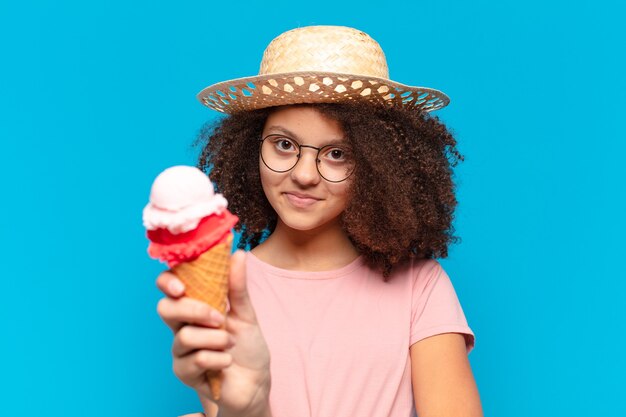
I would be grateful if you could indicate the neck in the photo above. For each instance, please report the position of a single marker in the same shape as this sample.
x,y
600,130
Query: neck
x,y
323,249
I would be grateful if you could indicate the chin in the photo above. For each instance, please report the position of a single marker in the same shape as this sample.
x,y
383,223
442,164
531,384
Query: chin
x,y
304,223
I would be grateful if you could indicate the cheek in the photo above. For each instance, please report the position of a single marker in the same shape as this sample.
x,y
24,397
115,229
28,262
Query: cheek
x,y
269,179
264,180
341,193
262,173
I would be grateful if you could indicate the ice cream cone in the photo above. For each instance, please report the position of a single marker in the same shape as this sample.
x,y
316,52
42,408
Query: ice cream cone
x,y
206,279
189,228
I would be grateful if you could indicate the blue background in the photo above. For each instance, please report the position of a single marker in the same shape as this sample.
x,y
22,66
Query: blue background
x,y
98,97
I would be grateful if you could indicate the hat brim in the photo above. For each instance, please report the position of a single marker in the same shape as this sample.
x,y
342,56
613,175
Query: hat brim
x,y
251,93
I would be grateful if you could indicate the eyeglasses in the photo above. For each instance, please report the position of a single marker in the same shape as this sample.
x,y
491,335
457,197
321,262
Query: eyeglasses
x,y
334,162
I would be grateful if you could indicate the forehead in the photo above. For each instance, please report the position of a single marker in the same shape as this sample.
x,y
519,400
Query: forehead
x,y
305,123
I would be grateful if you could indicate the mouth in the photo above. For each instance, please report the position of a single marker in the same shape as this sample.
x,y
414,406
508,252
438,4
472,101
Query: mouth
x,y
301,200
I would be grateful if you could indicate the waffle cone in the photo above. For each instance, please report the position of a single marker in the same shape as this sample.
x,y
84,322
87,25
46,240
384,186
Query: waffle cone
x,y
206,280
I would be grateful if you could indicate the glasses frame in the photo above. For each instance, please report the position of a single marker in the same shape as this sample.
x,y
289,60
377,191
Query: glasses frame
x,y
300,146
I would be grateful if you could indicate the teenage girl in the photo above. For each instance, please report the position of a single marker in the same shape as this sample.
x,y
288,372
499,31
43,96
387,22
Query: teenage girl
x,y
343,185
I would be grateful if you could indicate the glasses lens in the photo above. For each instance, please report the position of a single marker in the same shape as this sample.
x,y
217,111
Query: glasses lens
x,y
279,153
335,163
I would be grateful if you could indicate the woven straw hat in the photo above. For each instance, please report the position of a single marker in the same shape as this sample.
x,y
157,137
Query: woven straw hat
x,y
320,64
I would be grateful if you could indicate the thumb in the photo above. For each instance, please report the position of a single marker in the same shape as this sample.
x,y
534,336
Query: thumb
x,y
238,291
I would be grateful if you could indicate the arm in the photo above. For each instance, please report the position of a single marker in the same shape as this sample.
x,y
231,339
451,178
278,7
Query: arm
x,y
443,384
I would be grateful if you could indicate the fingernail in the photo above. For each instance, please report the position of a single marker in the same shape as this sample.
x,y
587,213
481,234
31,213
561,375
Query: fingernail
x,y
176,287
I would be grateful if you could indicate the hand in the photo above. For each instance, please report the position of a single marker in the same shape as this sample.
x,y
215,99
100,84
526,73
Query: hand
x,y
200,345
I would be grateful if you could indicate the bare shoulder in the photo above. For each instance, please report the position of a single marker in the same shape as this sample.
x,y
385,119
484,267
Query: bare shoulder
x,y
443,383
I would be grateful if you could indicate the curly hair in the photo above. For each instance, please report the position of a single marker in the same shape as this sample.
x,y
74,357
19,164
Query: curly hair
x,y
402,196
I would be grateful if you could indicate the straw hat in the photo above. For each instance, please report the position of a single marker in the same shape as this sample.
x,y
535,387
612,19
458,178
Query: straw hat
x,y
320,64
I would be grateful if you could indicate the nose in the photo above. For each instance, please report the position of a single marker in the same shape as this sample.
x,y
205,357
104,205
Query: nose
x,y
305,172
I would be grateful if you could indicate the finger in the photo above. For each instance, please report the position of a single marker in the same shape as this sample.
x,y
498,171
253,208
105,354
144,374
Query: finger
x,y
238,290
190,338
164,312
191,369
178,312
170,285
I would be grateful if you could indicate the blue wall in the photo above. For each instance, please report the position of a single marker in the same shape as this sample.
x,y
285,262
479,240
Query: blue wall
x,y
98,97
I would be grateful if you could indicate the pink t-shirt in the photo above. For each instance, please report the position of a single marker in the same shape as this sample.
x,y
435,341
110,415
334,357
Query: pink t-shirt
x,y
339,340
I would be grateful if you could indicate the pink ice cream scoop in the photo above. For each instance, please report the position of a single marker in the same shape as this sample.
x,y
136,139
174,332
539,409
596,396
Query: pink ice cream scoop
x,y
185,217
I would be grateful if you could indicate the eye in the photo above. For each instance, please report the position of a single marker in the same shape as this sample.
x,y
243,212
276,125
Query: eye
x,y
335,154
283,144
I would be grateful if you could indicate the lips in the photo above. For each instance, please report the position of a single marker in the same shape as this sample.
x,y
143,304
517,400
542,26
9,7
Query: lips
x,y
301,200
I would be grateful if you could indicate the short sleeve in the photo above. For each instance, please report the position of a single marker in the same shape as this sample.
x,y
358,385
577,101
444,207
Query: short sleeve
x,y
435,306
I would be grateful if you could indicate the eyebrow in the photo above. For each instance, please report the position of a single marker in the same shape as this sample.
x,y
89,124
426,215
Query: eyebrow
x,y
292,135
